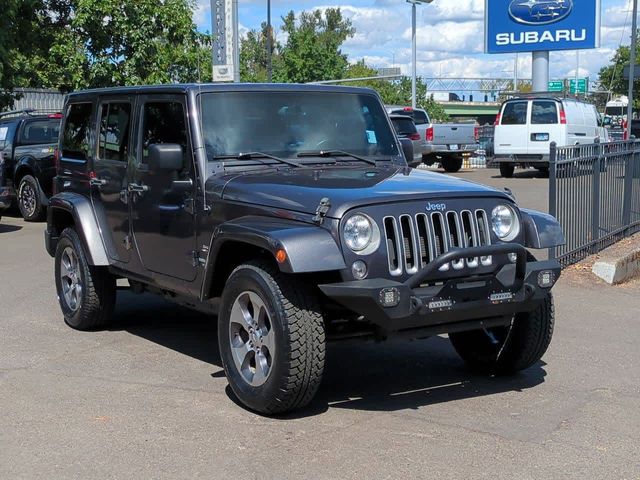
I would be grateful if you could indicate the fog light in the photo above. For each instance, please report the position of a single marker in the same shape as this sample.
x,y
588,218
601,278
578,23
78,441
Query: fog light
x,y
546,279
513,257
390,297
359,269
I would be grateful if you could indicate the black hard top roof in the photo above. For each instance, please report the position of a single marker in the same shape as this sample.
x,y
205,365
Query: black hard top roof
x,y
216,87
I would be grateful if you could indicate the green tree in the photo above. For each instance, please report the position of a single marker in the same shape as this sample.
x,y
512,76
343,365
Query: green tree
x,y
253,55
611,76
312,50
17,41
95,43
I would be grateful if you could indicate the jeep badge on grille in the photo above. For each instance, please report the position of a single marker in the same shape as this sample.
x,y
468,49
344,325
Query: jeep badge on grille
x,y
436,207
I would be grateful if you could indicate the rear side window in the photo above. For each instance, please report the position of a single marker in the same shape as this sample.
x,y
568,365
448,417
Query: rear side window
x,y
40,131
115,119
514,113
419,117
404,126
163,122
544,112
77,128
7,131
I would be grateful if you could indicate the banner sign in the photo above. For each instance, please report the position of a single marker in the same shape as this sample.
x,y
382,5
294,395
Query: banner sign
x,y
513,26
223,45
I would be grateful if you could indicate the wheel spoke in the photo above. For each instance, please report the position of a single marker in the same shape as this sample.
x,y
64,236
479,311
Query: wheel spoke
x,y
262,369
269,342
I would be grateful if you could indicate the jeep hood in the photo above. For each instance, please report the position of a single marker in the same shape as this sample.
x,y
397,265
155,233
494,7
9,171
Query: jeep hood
x,y
301,189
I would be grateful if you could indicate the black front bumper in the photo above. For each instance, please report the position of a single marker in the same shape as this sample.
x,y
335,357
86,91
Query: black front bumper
x,y
511,289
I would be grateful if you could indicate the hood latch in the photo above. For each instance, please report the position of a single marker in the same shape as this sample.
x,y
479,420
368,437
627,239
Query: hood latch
x,y
321,210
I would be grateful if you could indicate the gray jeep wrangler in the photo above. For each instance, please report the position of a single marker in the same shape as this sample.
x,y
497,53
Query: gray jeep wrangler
x,y
290,213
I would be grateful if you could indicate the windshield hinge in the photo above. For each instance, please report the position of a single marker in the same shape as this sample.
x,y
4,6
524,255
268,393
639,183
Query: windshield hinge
x,y
321,210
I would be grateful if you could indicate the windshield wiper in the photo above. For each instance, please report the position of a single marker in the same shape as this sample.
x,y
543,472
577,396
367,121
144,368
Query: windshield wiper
x,y
257,156
336,153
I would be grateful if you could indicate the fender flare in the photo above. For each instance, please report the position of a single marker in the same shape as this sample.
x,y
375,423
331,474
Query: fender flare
x,y
80,209
309,248
541,230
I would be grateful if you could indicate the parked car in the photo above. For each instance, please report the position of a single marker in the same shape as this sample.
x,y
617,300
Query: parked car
x,y
526,126
446,143
28,139
297,222
406,128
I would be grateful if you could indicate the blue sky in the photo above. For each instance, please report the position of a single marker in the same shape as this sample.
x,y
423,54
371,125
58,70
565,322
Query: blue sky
x,y
450,36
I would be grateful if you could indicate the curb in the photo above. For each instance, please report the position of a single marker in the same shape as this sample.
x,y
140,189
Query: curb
x,y
617,269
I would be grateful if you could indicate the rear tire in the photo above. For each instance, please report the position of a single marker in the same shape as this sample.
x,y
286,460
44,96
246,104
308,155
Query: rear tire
x,y
86,294
507,350
507,169
451,164
30,199
271,339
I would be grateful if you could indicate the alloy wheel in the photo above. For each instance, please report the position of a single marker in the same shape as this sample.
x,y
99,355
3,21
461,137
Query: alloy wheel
x,y
71,280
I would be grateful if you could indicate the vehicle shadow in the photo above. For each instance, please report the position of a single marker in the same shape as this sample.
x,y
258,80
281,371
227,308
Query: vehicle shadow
x,y
390,376
524,174
4,228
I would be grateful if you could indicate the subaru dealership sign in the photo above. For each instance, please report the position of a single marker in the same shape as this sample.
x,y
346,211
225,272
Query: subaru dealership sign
x,y
538,25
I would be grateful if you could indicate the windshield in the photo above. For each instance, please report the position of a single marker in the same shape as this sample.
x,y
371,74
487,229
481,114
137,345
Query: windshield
x,y
285,124
615,111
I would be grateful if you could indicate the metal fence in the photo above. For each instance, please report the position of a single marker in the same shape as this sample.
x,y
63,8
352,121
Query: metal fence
x,y
39,99
594,192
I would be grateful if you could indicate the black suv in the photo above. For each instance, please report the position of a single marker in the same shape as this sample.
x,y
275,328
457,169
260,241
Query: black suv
x,y
28,139
289,211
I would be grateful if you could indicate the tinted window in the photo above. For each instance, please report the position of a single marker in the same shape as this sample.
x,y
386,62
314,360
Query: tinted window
x,y
163,122
113,143
544,112
40,131
419,117
4,134
514,113
404,126
287,123
75,140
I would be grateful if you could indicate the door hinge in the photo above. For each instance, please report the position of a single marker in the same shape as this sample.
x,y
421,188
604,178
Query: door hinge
x,y
127,242
196,259
321,211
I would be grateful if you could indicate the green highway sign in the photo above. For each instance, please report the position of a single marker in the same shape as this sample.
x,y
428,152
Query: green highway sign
x,y
582,85
556,86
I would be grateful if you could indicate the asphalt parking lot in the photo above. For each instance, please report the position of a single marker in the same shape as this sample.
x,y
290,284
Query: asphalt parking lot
x,y
148,399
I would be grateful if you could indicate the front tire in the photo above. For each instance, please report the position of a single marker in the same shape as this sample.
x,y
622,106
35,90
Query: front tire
x,y
30,199
271,338
86,294
507,350
507,169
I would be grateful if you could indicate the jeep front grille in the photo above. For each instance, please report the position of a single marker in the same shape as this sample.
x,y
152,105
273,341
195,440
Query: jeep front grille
x,y
413,242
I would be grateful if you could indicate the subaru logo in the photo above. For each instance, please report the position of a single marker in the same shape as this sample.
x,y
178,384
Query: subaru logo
x,y
540,12
436,207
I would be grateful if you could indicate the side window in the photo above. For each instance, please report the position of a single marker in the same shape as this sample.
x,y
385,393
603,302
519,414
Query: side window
x,y
40,131
75,139
7,131
115,121
163,122
4,130
544,112
514,113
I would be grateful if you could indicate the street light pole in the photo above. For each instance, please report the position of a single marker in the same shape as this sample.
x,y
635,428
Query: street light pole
x,y
414,55
269,47
632,62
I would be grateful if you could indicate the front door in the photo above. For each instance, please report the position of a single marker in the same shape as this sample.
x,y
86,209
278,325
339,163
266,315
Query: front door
x,y
109,177
162,215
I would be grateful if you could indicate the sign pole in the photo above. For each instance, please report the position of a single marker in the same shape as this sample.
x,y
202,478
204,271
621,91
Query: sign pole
x,y
413,55
540,71
632,64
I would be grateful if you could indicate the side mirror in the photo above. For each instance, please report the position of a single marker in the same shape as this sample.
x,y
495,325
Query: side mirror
x,y
167,157
407,149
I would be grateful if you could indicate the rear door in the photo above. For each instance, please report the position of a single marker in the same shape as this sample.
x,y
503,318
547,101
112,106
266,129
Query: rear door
x,y
544,127
512,134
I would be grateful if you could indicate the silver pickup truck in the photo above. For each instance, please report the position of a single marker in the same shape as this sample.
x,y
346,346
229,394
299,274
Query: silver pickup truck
x,y
446,143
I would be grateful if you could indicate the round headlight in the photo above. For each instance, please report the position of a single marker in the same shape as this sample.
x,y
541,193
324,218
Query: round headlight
x,y
505,222
358,232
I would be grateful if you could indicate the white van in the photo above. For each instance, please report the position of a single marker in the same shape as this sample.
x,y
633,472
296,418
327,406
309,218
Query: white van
x,y
525,128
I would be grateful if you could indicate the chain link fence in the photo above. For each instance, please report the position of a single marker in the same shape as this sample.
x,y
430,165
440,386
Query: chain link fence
x,y
594,192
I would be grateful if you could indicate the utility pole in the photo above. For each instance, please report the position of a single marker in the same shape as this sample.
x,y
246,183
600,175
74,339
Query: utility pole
x,y
577,72
515,73
414,48
269,46
632,62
